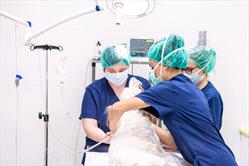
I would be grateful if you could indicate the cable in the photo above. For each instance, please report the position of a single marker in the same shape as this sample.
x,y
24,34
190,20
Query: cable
x,y
0,84
97,144
58,140
1,75
41,85
79,126
17,97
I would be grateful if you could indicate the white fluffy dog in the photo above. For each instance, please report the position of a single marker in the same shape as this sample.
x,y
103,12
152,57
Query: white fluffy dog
x,y
135,142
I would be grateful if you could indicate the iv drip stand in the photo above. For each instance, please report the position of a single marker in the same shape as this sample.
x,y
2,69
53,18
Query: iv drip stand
x,y
46,115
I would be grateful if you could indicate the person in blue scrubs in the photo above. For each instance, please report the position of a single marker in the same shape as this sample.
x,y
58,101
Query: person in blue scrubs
x,y
201,62
104,92
155,54
184,110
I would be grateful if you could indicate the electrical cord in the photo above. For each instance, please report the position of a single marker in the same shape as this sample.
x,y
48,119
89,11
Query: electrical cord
x,y
58,140
17,98
87,71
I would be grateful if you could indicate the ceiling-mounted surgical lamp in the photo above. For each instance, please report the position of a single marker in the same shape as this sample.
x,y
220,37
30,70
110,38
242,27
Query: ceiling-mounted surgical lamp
x,y
130,8
30,36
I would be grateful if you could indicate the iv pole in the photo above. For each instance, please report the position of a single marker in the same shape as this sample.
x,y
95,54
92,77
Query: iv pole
x,y
49,47
28,41
46,115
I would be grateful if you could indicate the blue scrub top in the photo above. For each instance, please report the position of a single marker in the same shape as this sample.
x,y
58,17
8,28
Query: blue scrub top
x,y
98,96
215,103
185,112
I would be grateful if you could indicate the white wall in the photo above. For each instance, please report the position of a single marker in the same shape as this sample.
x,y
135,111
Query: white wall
x,y
226,23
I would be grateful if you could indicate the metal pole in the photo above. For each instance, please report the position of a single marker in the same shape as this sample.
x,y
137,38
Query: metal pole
x,y
46,113
93,70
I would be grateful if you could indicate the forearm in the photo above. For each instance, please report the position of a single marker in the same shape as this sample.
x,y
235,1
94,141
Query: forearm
x,y
165,137
95,133
133,103
92,131
116,110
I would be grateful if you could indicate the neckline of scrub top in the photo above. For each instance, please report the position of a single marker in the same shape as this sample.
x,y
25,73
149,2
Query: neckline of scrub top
x,y
112,91
181,75
209,84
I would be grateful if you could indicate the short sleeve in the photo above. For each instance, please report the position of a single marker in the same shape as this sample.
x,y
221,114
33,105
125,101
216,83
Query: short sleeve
x,y
152,111
155,98
89,105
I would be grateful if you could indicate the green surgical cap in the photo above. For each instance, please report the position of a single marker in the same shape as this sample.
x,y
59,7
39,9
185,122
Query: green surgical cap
x,y
113,55
178,59
155,51
204,58
173,42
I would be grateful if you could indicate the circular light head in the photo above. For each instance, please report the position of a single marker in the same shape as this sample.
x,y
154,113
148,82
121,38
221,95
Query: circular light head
x,y
131,8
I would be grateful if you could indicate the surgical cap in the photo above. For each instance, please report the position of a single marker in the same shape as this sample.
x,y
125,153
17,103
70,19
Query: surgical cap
x,y
113,55
204,58
173,42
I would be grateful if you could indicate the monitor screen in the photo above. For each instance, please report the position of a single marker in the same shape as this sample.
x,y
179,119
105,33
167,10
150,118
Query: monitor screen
x,y
140,47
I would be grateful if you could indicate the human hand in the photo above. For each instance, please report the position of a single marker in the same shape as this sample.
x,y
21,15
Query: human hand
x,y
108,137
113,118
141,88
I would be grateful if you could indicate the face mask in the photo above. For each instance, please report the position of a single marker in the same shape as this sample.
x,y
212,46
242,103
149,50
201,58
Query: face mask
x,y
195,77
117,78
153,79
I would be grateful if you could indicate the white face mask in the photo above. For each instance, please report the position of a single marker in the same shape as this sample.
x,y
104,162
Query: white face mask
x,y
117,78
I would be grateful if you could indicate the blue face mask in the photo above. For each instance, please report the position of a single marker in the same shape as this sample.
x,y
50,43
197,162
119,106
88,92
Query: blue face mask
x,y
117,78
153,79
195,77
